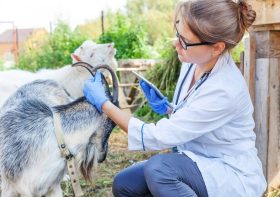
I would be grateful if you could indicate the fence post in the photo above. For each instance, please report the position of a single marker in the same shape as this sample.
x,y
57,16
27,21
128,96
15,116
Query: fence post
x,y
266,75
102,22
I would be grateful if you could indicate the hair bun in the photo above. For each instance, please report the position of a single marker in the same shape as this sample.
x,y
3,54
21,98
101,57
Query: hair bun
x,y
247,14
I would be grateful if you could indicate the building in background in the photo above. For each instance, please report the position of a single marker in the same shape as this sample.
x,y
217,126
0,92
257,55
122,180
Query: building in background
x,y
12,40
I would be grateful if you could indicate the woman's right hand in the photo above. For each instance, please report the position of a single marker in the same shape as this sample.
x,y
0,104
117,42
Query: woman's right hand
x,y
94,91
157,104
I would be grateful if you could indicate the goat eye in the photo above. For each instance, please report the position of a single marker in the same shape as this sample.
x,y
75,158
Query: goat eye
x,y
91,55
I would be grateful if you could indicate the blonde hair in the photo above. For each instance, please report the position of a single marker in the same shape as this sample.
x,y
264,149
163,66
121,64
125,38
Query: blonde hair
x,y
217,20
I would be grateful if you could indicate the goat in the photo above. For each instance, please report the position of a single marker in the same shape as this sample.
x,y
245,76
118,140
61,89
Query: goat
x,y
95,54
72,79
31,164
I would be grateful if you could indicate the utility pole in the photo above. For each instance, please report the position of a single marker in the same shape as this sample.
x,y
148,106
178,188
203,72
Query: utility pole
x,y
51,27
102,22
16,44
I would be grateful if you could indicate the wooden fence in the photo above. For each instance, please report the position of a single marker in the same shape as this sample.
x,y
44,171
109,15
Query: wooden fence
x,y
129,83
260,65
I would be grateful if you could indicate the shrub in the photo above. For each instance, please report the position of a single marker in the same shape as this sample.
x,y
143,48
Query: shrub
x,y
130,41
236,51
54,52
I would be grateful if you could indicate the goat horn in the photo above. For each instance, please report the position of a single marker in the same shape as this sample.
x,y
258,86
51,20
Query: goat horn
x,y
85,65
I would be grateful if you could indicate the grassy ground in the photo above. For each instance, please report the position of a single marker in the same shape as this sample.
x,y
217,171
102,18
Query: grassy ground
x,y
274,193
117,159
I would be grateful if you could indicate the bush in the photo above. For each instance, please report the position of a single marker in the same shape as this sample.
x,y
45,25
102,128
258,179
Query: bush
x,y
130,41
54,52
236,51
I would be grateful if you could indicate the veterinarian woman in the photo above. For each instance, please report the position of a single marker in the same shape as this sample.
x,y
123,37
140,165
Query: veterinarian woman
x,y
211,122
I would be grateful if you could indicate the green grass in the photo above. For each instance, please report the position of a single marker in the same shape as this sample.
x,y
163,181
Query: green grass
x,y
101,186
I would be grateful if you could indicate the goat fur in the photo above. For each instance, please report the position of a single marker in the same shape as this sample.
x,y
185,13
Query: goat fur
x,y
30,160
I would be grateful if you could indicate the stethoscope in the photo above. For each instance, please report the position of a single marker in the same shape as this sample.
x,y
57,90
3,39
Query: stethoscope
x,y
197,84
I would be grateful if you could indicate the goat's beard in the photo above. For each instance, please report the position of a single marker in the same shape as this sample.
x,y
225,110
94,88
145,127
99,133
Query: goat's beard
x,y
96,150
89,164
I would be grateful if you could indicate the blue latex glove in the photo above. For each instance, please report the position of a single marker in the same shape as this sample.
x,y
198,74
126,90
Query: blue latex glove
x,y
157,104
94,91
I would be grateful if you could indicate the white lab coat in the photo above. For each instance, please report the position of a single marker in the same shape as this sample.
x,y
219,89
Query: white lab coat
x,y
214,128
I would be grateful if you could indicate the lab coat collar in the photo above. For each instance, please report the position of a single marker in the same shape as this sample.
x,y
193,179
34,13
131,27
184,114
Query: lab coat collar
x,y
223,59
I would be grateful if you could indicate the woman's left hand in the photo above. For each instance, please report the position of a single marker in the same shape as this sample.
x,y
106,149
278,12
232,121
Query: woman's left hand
x,y
94,91
157,104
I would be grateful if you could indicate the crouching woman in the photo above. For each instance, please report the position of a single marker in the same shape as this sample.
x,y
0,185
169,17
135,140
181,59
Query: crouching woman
x,y
210,123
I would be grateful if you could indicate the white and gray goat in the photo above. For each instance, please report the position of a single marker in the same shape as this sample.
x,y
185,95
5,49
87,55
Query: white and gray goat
x,y
71,78
31,164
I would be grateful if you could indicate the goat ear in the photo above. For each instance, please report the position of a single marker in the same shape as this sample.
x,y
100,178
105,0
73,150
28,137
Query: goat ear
x,y
75,58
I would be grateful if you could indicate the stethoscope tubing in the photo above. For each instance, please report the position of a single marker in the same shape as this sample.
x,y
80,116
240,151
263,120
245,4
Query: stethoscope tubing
x,y
202,79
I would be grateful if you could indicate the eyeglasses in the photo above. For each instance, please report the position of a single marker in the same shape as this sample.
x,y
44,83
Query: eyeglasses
x,y
184,44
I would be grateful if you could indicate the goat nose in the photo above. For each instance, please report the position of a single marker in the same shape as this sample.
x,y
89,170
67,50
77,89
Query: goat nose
x,y
109,46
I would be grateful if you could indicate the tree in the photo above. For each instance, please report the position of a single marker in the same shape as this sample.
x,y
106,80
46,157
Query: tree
x,y
157,17
130,41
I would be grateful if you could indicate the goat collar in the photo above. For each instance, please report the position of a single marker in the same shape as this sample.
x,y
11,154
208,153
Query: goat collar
x,y
70,160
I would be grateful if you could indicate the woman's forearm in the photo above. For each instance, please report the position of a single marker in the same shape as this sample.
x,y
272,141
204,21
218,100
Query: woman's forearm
x,y
118,116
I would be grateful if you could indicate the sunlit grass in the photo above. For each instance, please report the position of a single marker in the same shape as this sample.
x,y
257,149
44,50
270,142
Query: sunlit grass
x,y
273,193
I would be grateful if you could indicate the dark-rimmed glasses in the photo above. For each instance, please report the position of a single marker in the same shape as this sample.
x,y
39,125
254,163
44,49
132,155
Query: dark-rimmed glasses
x,y
184,44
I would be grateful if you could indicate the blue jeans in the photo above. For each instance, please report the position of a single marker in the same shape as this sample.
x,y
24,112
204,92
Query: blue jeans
x,y
163,175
